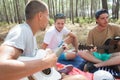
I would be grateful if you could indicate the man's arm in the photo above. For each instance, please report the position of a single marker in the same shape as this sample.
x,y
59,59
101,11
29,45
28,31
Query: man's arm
x,y
44,45
12,69
114,60
73,40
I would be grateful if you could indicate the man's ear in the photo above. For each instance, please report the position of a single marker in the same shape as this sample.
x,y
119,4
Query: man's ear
x,y
96,20
39,15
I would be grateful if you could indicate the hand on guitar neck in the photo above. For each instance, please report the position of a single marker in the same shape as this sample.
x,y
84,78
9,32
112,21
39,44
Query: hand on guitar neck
x,y
58,51
110,45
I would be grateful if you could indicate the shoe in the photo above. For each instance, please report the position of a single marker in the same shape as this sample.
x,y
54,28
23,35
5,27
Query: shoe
x,y
66,69
89,66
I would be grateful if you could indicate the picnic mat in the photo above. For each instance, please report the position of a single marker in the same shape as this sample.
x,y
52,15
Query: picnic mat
x,y
76,71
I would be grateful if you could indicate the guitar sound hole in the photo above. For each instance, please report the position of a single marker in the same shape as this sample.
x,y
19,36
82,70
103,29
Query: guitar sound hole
x,y
47,71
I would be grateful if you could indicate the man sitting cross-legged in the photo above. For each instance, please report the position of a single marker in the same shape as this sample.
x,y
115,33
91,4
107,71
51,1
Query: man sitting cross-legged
x,y
54,37
21,41
97,37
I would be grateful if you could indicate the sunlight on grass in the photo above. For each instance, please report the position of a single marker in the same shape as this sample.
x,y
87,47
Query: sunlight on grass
x,y
80,29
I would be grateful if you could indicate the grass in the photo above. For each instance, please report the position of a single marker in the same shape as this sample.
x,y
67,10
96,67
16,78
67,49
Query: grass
x,y
80,31
80,28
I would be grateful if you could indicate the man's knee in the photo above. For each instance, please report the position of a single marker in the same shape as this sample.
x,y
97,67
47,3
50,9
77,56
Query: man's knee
x,y
70,56
68,40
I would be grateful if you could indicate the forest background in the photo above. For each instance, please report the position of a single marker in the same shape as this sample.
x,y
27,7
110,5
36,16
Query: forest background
x,y
79,13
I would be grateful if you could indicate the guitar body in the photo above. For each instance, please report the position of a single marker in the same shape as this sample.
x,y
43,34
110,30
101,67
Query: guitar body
x,y
112,43
54,75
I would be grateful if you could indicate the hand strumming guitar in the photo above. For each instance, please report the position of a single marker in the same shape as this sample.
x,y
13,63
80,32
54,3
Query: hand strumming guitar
x,y
50,58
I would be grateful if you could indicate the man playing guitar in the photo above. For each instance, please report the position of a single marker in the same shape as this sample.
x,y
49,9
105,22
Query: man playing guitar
x,y
97,37
21,41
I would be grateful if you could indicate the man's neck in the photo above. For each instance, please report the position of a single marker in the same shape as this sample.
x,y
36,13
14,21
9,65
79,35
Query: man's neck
x,y
57,29
101,28
32,26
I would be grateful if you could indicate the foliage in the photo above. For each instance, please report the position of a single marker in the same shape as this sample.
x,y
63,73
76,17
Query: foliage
x,y
77,20
13,10
86,20
68,20
118,21
51,21
3,24
114,20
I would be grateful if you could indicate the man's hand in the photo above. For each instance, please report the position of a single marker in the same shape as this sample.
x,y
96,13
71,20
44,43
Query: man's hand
x,y
119,42
93,49
50,58
65,46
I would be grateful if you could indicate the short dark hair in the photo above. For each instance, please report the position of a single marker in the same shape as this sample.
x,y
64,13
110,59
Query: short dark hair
x,y
98,13
33,7
59,16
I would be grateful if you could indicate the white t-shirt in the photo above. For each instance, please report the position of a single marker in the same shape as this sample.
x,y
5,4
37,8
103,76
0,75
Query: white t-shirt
x,y
21,37
53,38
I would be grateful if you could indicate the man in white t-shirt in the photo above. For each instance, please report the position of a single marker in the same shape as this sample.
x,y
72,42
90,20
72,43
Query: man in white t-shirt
x,y
55,36
21,41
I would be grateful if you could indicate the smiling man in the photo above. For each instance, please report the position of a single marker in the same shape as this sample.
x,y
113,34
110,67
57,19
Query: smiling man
x,y
21,41
59,34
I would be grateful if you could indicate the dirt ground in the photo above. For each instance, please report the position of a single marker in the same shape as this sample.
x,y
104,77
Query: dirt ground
x,y
80,30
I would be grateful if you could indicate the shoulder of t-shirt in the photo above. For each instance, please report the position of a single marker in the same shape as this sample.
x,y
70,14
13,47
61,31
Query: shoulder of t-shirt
x,y
50,29
113,25
16,29
93,29
66,29
20,27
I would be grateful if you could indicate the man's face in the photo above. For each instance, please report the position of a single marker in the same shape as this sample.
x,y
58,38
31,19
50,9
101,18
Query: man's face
x,y
59,24
44,20
103,20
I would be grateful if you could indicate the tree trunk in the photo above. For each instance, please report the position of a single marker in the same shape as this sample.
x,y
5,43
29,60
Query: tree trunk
x,y
26,1
49,8
91,10
56,6
15,12
7,20
117,9
53,7
17,8
71,11
59,6
62,4
83,9
104,4
76,8
10,13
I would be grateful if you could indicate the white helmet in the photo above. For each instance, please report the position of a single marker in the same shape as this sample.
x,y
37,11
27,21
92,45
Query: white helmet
x,y
102,75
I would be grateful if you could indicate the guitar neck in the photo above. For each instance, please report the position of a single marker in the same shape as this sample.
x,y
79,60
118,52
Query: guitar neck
x,y
105,47
58,51
82,47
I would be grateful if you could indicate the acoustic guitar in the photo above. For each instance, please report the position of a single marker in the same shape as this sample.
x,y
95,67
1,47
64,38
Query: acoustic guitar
x,y
47,74
110,45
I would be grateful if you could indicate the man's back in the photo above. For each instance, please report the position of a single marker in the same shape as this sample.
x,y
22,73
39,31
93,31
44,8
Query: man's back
x,y
21,37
